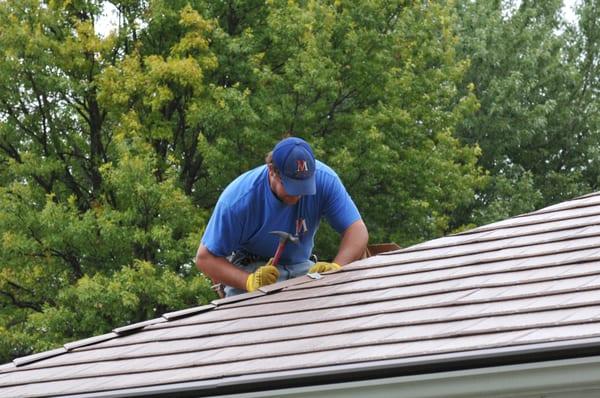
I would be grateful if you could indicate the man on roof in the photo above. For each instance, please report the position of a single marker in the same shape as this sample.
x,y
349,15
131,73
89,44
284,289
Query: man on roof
x,y
290,193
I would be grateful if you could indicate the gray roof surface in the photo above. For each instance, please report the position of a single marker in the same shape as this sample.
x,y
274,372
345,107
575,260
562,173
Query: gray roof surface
x,y
526,282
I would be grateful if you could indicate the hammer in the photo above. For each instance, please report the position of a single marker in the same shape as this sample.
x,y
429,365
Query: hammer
x,y
284,237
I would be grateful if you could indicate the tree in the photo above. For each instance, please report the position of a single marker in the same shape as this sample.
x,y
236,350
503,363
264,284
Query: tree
x,y
81,196
371,85
535,122
584,52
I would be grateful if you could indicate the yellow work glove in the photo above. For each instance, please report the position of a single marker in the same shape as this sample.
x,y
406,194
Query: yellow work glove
x,y
323,266
263,276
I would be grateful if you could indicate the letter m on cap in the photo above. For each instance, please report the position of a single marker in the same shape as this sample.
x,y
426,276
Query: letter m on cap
x,y
301,166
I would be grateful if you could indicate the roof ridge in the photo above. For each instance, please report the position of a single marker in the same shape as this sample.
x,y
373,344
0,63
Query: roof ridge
x,y
485,236
492,250
545,210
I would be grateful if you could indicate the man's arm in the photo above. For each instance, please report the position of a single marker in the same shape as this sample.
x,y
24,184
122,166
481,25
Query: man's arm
x,y
219,269
353,244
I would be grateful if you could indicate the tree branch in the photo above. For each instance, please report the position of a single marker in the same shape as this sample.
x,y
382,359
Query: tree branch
x,y
21,304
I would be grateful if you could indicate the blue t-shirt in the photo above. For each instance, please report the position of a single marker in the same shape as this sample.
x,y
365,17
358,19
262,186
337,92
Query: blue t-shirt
x,y
248,210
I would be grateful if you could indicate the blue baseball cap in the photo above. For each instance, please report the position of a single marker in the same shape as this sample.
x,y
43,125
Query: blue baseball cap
x,y
296,164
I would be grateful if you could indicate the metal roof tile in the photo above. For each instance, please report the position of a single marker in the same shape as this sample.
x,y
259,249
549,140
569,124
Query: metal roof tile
x,y
37,357
137,326
540,218
170,316
92,340
239,297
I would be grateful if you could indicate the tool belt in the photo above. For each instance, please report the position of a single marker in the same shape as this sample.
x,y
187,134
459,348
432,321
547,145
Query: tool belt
x,y
242,258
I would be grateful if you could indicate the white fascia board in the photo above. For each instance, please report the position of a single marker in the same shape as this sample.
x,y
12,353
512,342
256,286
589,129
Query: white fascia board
x,y
578,377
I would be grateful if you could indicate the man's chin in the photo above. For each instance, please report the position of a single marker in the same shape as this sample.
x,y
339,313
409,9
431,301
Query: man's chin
x,y
291,200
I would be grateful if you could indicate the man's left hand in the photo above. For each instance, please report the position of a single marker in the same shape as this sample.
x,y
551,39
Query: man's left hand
x,y
323,266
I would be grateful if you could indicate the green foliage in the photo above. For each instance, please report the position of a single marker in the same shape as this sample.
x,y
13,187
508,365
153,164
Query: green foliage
x,y
537,124
84,196
133,294
371,85
507,195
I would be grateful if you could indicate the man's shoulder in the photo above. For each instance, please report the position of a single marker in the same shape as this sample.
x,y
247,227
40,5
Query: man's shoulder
x,y
325,172
244,187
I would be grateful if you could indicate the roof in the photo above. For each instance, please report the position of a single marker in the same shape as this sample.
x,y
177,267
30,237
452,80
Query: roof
x,y
523,289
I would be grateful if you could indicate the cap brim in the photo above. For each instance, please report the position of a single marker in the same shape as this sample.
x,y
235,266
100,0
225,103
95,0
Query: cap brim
x,y
296,187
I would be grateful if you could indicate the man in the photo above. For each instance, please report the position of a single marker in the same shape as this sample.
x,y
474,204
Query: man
x,y
290,193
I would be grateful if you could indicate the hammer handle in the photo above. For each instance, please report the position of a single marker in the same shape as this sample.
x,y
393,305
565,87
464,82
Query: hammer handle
x,y
278,253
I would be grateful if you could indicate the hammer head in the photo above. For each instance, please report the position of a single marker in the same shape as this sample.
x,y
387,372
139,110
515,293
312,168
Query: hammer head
x,y
285,237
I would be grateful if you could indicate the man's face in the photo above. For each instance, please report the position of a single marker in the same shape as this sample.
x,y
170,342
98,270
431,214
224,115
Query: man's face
x,y
279,190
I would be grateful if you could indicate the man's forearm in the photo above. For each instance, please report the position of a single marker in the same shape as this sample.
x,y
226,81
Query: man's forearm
x,y
219,269
353,244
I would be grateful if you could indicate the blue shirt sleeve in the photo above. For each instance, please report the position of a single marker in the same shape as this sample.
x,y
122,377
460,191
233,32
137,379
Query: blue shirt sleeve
x,y
223,232
339,208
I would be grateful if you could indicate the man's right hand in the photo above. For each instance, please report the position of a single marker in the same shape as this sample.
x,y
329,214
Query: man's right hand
x,y
265,275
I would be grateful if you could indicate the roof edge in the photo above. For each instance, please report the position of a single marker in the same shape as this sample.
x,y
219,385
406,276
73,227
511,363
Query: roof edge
x,y
170,316
89,341
362,372
38,357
